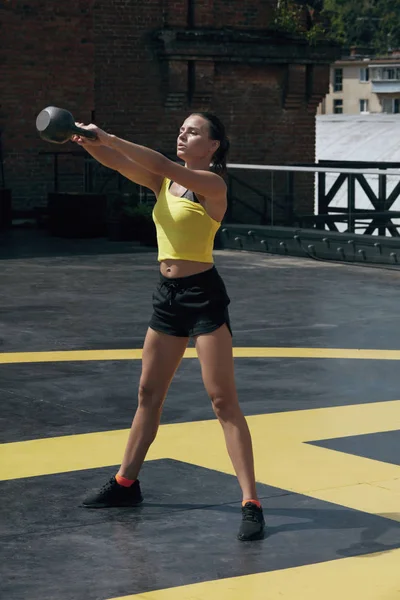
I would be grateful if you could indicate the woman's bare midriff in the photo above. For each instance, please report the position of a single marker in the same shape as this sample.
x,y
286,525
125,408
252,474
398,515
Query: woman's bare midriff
x,y
183,268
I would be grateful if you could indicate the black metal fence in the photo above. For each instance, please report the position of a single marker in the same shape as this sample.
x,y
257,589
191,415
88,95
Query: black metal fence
x,y
342,196
337,196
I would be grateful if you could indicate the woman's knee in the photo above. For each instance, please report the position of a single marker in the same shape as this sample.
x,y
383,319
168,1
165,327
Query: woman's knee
x,y
224,404
149,397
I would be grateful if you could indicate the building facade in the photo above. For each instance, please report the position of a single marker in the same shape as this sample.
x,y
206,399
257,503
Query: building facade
x,y
137,69
362,84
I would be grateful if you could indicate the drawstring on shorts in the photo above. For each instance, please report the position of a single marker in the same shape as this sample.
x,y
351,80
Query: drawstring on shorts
x,y
173,288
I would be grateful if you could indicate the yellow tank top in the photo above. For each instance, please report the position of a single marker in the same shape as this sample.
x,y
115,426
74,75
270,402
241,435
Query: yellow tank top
x,y
185,231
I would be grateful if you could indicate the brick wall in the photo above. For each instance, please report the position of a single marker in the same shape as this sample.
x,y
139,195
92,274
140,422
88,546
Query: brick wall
x,y
262,132
103,56
46,58
127,76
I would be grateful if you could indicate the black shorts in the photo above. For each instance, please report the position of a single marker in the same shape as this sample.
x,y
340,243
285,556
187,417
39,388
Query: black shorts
x,y
190,306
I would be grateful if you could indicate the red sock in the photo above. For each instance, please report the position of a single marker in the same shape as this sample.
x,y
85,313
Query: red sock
x,y
124,481
256,502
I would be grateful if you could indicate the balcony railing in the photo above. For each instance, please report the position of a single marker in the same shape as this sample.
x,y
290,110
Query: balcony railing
x,y
385,74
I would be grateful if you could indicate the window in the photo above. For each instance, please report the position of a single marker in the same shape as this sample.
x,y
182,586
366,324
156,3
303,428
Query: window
x,y
376,74
391,105
363,106
387,105
338,107
386,74
364,74
389,74
338,80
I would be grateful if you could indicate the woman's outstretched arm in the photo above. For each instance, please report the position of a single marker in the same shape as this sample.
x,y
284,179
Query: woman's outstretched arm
x,y
116,160
203,183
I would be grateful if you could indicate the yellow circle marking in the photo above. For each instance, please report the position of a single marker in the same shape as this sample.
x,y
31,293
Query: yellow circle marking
x,y
136,354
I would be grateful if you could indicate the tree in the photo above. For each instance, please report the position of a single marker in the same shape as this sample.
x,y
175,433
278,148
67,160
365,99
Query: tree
x,y
369,23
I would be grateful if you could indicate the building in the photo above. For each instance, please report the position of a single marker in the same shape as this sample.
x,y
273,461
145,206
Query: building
x,y
363,84
137,70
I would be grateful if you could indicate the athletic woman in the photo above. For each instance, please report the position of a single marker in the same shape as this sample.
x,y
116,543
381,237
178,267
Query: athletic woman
x,y
190,300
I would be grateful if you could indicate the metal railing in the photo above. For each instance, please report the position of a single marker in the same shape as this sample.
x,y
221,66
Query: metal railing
x,y
350,217
274,195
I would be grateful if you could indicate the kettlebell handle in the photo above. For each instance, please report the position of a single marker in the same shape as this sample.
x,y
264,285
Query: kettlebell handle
x,y
91,135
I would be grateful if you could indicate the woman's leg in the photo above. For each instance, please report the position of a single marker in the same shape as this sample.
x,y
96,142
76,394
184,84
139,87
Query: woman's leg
x,y
216,358
161,357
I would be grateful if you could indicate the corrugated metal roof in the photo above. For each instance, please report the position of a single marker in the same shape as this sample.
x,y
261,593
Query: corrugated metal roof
x,y
372,137
359,138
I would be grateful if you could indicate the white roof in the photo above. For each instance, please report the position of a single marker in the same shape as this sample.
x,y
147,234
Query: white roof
x,y
359,138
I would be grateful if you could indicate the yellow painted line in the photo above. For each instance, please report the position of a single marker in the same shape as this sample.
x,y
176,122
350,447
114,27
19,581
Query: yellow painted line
x,y
337,421
48,456
70,355
368,577
136,354
365,497
282,458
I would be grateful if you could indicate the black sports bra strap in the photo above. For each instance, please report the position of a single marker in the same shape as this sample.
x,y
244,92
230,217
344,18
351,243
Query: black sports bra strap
x,y
188,194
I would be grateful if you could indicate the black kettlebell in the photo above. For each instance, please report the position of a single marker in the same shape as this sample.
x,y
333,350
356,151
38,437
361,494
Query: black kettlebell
x,y
57,125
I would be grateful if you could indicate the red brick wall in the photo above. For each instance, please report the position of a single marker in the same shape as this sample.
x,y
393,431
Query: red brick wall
x,y
127,75
262,132
46,58
174,13
100,55
234,13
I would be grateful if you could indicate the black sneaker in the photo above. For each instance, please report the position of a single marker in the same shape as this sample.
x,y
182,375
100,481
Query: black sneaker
x,y
253,524
113,494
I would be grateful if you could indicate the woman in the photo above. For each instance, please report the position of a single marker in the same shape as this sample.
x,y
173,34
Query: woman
x,y
190,300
